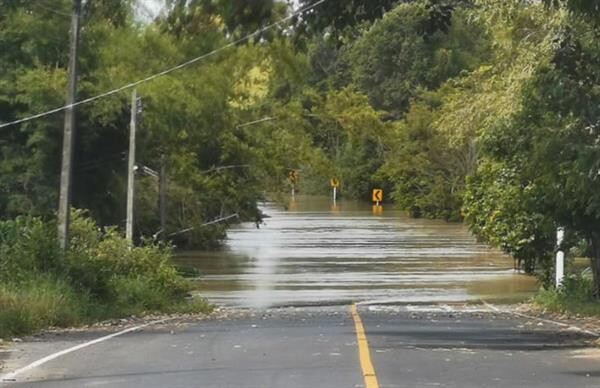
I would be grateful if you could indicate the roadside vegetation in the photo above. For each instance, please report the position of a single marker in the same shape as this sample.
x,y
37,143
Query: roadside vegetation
x,y
478,111
100,277
575,297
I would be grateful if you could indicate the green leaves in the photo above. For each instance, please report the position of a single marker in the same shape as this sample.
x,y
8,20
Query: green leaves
x,y
187,115
500,206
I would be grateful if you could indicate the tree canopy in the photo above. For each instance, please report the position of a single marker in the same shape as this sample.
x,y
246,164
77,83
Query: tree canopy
x,y
482,111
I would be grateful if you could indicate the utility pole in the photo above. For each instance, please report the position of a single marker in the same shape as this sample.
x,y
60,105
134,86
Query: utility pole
x,y
131,168
162,183
66,172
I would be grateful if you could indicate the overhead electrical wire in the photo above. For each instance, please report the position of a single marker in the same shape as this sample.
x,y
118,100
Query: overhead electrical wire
x,y
166,71
49,9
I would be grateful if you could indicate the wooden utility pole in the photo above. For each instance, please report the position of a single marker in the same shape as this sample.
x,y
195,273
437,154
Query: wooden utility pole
x,y
162,187
66,173
131,168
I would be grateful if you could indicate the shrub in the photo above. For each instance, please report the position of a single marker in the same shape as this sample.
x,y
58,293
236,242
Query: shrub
x,y
27,246
97,256
100,276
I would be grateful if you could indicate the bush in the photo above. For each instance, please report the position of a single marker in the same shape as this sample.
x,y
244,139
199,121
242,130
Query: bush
x,y
101,276
27,246
97,256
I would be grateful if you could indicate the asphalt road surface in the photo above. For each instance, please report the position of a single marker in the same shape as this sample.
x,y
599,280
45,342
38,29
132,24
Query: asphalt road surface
x,y
422,346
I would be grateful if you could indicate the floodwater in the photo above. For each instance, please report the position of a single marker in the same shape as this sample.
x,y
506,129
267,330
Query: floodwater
x,y
315,253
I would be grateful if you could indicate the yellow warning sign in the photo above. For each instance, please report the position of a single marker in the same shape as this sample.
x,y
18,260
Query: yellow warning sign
x,y
293,176
334,182
377,195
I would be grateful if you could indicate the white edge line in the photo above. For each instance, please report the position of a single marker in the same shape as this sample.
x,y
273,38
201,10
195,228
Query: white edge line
x,y
572,327
11,376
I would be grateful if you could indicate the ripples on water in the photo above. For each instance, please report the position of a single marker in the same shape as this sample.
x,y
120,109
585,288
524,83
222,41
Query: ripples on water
x,y
321,254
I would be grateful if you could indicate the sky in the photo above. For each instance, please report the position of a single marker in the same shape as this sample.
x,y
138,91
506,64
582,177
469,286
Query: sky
x,y
149,9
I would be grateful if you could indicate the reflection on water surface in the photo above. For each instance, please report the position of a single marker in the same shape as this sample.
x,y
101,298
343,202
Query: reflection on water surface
x,y
316,253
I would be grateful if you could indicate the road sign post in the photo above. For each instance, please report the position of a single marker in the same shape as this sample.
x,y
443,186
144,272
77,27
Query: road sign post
x,y
293,178
334,183
560,257
377,196
377,199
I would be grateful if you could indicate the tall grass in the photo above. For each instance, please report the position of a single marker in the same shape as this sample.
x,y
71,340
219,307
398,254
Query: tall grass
x,y
39,303
575,296
101,276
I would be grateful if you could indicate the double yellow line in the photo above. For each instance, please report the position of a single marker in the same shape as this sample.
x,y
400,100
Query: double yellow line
x,y
363,351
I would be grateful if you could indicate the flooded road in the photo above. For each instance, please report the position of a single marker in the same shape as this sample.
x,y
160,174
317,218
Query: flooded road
x,y
318,254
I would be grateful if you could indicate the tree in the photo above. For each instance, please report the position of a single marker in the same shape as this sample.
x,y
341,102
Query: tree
x,y
552,142
402,54
587,8
340,15
501,207
421,166
562,116
238,18
190,116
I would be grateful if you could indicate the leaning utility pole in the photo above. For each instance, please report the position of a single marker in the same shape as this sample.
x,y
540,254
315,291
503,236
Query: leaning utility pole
x,y
131,167
64,202
162,183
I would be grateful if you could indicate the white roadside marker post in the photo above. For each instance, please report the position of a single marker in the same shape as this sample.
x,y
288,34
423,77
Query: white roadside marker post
x,y
560,257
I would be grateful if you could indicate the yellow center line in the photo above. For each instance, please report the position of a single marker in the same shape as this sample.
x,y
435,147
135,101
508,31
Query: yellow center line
x,y
363,351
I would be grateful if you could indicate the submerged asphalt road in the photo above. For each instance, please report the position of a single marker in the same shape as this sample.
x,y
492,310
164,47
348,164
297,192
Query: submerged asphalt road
x,y
317,347
318,253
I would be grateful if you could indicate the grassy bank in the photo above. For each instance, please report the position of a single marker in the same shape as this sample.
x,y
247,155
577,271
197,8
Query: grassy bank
x,y
574,297
100,277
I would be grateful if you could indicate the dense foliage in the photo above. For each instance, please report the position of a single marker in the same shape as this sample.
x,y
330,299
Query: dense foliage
x,y
100,277
485,111
192,116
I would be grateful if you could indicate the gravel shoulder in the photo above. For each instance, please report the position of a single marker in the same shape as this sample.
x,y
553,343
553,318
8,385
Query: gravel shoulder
x,y
591,324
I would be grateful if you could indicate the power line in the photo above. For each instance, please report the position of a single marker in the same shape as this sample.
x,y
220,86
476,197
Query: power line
x,y
166,71
256,122
46,8
221,168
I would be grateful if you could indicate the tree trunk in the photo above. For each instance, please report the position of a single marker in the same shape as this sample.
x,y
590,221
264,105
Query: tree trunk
x,y
595,262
